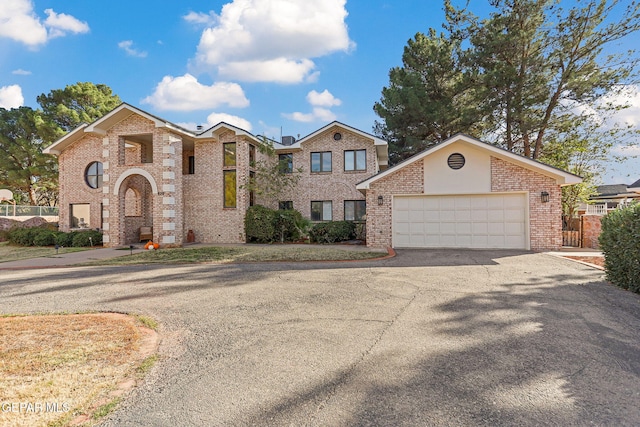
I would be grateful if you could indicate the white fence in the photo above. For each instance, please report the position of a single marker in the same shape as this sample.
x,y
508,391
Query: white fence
x,y
31,211
597,209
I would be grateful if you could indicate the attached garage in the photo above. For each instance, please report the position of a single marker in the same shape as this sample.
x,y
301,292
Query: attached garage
x,y
462,221
464,193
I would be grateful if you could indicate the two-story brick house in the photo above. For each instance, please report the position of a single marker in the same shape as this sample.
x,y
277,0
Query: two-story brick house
x,y
130,169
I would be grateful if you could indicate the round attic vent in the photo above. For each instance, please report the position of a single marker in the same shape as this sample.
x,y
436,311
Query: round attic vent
x,y
455,161
337,136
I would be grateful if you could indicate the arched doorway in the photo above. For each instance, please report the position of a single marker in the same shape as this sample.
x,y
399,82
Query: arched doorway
x,y
135,194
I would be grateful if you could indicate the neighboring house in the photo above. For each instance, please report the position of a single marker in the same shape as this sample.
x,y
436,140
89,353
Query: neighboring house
x,y
464,193
130,170
611,196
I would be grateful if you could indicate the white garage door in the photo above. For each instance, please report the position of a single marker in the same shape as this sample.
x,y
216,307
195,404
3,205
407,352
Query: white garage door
x,y
478,221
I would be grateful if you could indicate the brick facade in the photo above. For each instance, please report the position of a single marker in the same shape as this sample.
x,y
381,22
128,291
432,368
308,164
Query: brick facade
x,y
591,228
407,180
338,185
545,220
147,179
157,174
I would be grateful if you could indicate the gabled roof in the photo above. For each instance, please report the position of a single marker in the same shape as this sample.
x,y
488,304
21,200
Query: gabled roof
x,y
220,127
104,123
380,144
561,177
611,189
635,186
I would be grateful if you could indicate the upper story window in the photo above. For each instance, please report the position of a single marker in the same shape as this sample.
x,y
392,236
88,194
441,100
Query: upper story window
x,y
191,167
93,175
321,162
229,154
285,162
355,160
252,155
229,181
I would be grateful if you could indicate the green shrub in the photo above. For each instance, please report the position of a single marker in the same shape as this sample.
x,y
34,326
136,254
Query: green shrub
x,y
22,236
264,225
65,239
620,243
290,225
259,224
333,231
87,238
44,237
4,235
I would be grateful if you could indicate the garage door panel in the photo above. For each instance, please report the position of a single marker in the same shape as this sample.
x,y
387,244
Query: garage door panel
x,y
464,215
474,221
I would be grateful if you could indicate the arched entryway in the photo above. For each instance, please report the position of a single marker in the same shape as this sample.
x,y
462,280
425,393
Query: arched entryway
x,y
135,191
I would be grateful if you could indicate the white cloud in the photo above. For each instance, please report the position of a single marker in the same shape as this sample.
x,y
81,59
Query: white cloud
x,y
200,18
21,72
215,118
321,102
11,97
628,96
317,114
278,70
626,150
127,46
257,40
323,99
19,22
185,93
60,24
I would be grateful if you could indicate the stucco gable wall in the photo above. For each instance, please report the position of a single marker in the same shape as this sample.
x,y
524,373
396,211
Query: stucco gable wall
x,y
545,219
473,177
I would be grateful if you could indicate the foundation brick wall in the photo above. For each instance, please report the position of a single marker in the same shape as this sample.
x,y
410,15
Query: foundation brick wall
x,y
338,185
408,180
591,228
545,221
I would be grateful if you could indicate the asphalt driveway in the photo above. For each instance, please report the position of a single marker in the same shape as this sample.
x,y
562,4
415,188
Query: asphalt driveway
x,y
425,338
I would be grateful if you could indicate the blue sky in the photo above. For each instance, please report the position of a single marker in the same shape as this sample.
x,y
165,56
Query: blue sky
x,y
264,65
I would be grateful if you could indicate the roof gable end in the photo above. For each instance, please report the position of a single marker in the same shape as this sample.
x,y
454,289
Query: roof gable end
x,y
561,177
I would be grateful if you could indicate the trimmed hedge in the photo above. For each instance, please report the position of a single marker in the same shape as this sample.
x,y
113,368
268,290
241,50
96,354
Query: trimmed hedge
x,y
620,243
47,236
332,231
264,225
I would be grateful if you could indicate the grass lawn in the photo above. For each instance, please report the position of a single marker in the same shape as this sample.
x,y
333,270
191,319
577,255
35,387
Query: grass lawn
x,y
57,370
247,253
13,253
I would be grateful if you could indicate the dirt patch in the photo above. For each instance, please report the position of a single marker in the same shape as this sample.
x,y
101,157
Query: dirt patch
x,y
596,260
61,369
